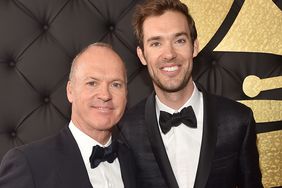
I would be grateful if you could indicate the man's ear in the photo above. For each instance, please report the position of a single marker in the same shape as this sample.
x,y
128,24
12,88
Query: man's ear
x,y
195,48
69,91
141,55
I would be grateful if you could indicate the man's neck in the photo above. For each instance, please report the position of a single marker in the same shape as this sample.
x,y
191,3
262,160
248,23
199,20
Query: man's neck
x,y
101,136
177,99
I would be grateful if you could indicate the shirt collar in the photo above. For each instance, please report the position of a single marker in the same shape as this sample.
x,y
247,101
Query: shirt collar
x,y
85,142
192,101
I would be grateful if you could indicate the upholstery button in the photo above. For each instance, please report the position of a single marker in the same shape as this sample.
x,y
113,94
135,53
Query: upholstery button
x,y
13,134
46,100
111,27
12,64
45,27
214,63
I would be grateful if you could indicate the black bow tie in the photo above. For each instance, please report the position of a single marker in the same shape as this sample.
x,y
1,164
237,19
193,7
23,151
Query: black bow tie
x,y
186,116
100,154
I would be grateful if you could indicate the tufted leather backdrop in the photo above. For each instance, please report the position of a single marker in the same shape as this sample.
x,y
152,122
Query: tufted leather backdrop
x,y
39,39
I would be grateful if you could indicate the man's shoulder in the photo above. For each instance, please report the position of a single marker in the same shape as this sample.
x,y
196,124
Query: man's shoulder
x,y
136,109
220,100
224,105
134,116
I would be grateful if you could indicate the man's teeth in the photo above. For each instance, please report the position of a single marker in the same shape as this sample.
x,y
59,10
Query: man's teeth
x,y
174,68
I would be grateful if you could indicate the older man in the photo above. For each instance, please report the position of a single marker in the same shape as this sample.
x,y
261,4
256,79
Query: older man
x,y
85,153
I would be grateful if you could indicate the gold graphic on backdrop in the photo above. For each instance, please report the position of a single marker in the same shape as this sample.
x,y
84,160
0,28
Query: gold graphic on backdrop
x,y
253,85
270,152
269,144
265,110
208,15
257,28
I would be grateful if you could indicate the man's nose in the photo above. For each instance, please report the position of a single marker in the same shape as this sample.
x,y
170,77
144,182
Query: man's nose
x,y
104,93
169,52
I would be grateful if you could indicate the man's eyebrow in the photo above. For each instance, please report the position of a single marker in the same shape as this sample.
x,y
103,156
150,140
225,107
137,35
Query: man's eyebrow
x,y
153,38
90,77
181,33
112,80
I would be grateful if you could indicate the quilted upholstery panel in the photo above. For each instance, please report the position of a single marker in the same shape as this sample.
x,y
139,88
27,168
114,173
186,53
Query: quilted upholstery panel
x,y
38,40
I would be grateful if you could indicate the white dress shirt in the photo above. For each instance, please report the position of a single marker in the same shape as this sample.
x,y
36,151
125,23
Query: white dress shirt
x,y
183,143
106,175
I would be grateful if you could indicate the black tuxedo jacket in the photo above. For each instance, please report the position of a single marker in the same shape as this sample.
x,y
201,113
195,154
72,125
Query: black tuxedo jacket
x,y
228,155
55,162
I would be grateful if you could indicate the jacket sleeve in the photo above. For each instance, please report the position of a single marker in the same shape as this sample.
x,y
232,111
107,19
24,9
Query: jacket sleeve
x,y
15,171
249,175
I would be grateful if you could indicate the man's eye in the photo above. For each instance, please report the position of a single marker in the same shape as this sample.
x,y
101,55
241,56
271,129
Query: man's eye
x,y
154,44
117,85
181,41
91,83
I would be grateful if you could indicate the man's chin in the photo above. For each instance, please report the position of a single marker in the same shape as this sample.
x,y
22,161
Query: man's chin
x,y
171,88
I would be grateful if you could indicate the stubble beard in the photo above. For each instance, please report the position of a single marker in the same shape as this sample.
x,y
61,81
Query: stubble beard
x,y
169,87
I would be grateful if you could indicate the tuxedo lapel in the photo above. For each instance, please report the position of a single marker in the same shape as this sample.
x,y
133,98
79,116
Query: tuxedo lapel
x,y
72,170
157,143
207,148
127,166
208,144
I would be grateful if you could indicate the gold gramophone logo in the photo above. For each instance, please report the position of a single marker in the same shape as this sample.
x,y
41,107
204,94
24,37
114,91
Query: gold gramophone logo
x,y
264,110
256,29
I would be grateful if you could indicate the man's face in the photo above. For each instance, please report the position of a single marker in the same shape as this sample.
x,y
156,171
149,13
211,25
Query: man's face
x,y
168,51
97,90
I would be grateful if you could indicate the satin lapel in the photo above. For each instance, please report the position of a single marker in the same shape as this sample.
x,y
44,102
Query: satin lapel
x,y
157,143
208,143
72,170
127,166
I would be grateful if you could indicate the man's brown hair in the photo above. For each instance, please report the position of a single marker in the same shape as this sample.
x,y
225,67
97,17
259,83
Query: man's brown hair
x,y
157,8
